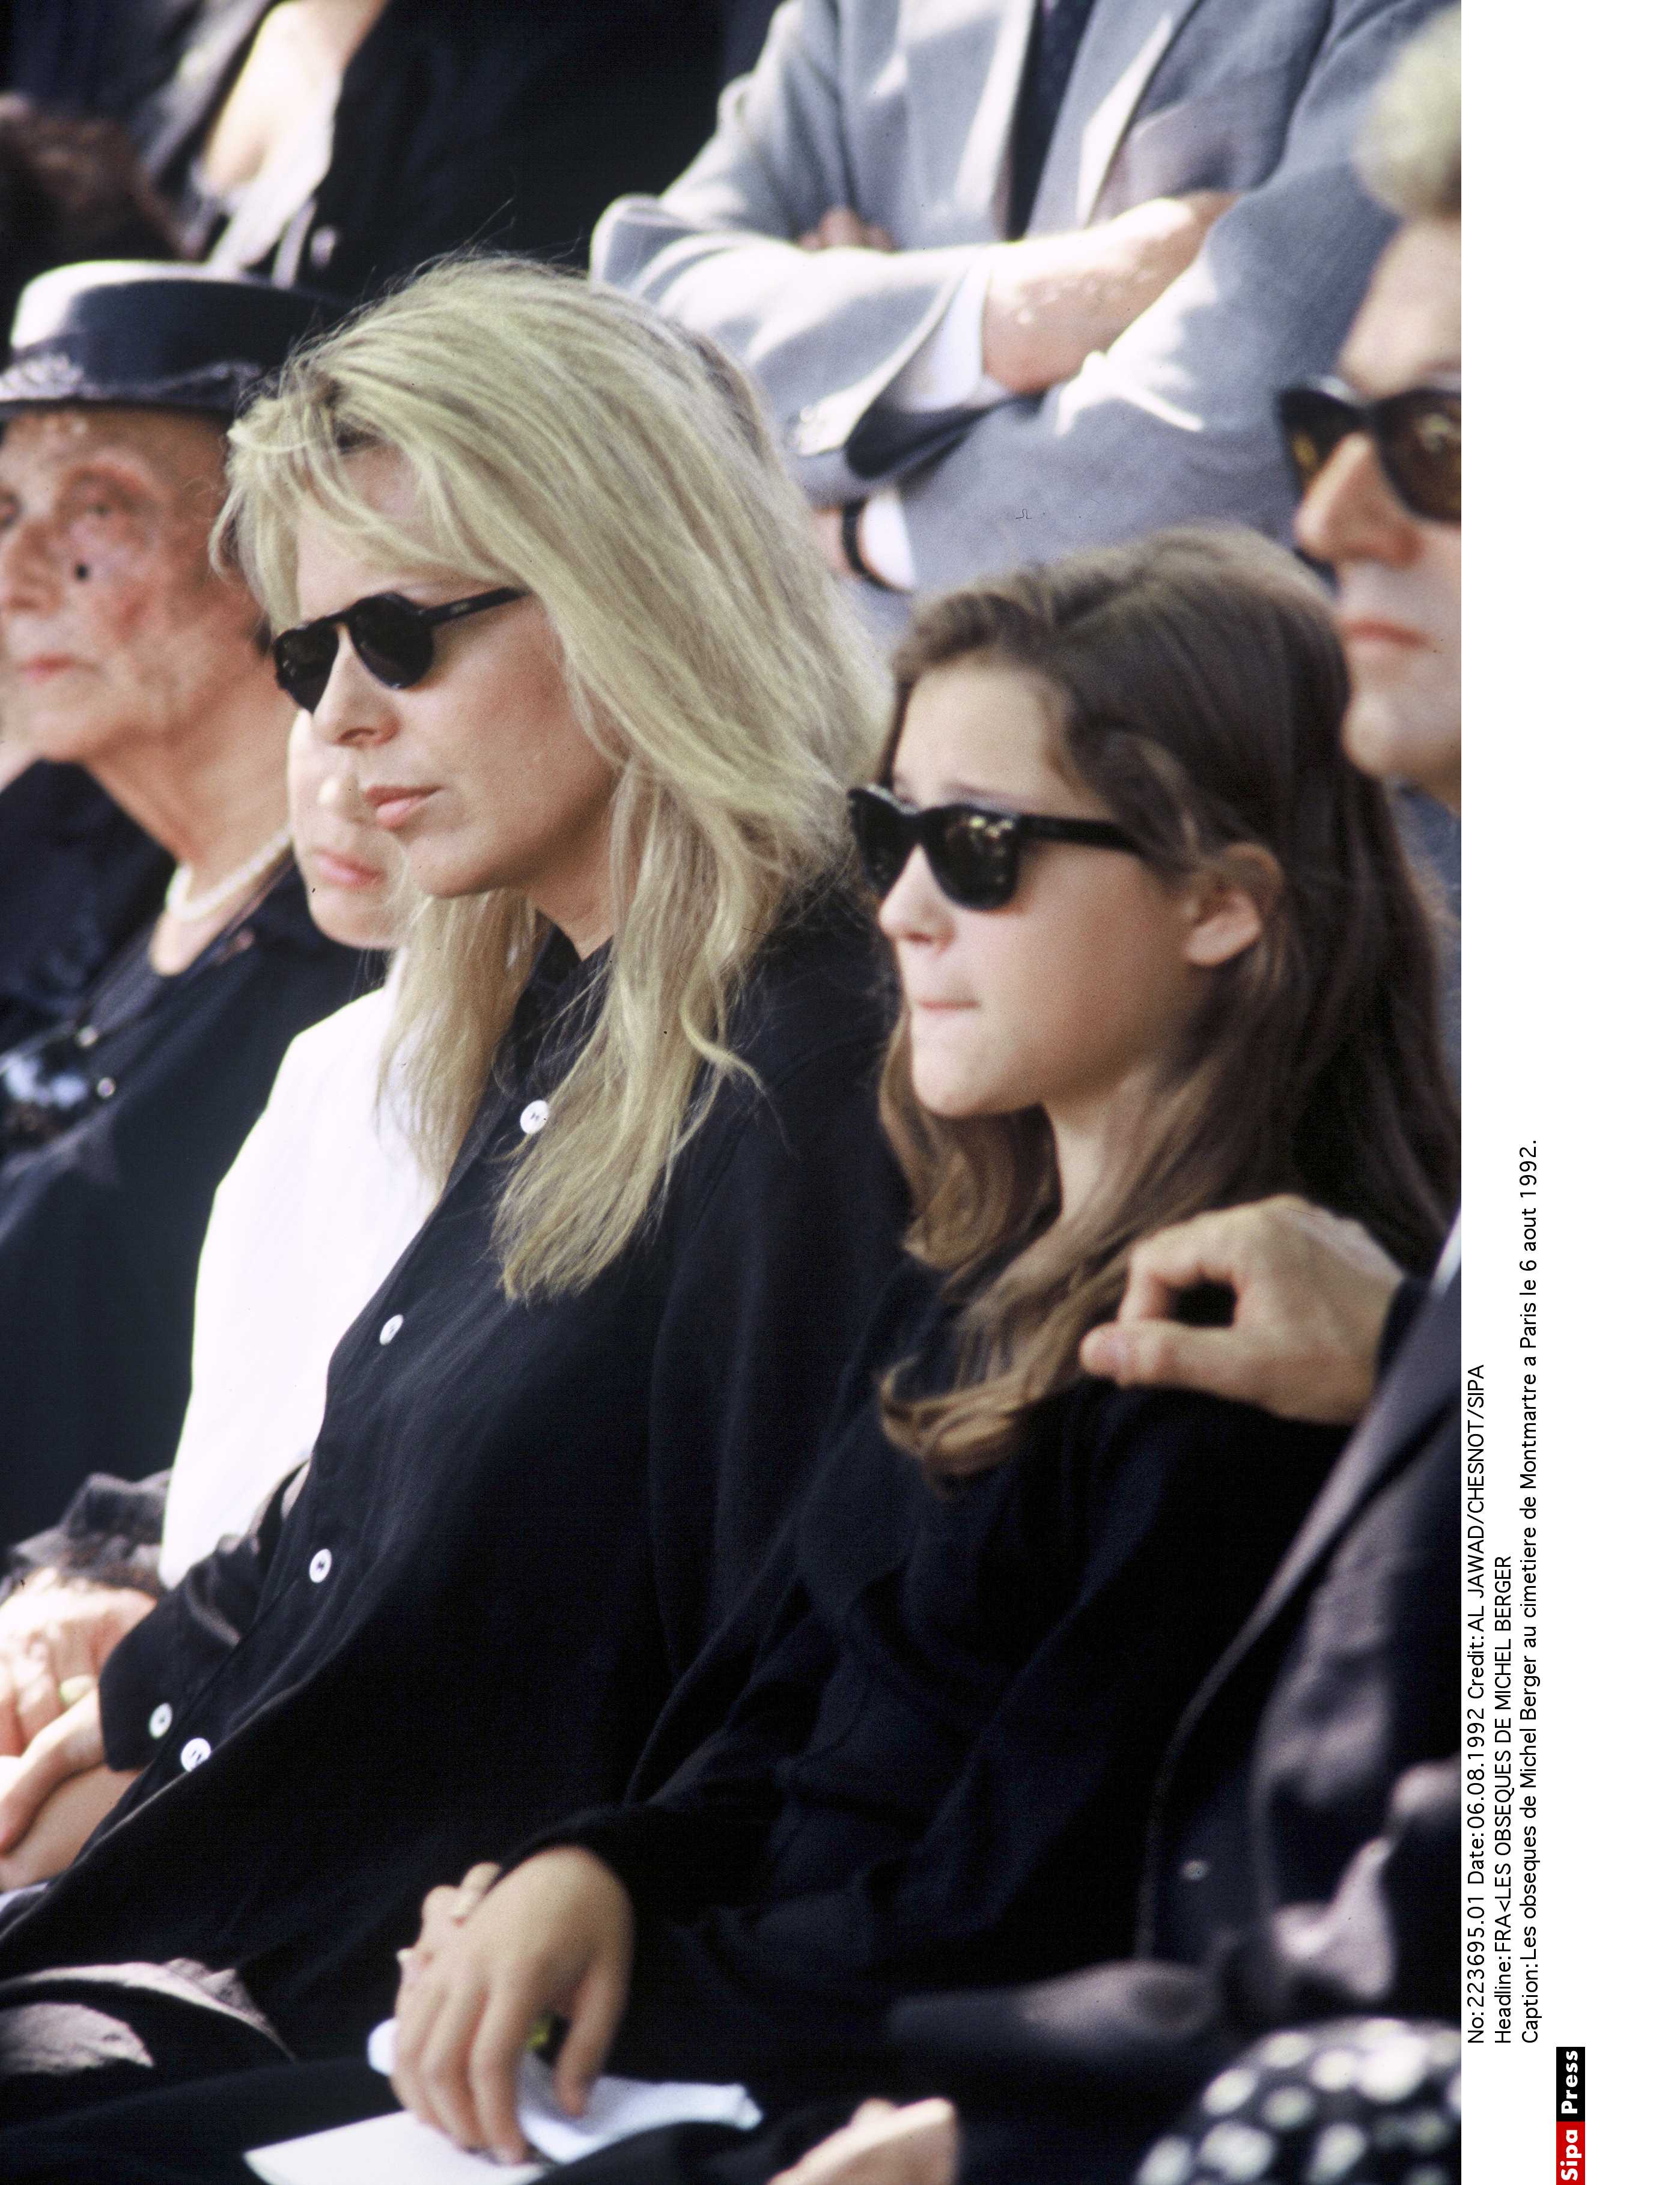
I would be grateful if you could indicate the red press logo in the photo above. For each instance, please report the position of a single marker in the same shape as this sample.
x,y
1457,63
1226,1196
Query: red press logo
x,y
1571,2116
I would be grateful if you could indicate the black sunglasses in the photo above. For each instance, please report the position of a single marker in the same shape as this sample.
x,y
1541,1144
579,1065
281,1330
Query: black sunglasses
x,y
392,637
1415,434
973,853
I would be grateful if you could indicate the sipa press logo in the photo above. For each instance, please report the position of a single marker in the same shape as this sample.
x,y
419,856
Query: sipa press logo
x,y
1571,2116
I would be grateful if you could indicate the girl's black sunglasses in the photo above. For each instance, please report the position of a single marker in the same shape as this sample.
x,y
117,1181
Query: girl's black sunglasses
x,y
392,637
1416,436
974,854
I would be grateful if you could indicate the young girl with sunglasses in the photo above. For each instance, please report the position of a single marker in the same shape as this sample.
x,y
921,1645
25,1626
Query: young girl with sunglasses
x,y
1157,952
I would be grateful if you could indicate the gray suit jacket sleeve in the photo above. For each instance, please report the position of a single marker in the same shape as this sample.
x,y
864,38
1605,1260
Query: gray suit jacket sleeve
x,y
1174,423
823,331
1171,423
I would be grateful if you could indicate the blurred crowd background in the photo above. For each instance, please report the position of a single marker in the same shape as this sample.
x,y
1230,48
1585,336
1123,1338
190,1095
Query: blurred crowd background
x,y
341,143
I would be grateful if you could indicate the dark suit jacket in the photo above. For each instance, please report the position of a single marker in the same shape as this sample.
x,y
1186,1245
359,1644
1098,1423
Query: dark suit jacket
x,y
500,124
101,1225
1297,1869
77,880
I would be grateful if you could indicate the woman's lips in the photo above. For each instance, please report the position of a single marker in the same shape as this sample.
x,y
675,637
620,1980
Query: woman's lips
x,y
392,808
342,872
45,665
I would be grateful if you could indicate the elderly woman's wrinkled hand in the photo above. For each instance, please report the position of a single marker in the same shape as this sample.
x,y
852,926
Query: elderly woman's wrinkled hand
x,y
67,1818
56,1634
53,1797
557,1934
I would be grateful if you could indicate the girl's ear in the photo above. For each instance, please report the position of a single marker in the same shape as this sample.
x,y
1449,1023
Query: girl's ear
x,y
1229,904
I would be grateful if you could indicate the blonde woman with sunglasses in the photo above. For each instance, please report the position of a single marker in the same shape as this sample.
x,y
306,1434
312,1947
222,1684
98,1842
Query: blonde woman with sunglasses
x,y
550,597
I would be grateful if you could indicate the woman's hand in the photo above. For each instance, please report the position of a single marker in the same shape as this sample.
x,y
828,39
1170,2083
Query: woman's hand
x,y
445,1910
558,1934
55,1631
53,1798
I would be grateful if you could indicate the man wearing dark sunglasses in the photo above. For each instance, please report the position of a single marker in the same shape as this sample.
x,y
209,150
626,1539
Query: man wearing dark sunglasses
x,y
1380,504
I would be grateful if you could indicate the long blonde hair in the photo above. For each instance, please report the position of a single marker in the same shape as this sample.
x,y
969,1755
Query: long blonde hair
x,y
1199,688
566,439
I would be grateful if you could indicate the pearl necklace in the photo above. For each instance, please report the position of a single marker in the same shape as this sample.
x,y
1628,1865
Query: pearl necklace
x,y
180,902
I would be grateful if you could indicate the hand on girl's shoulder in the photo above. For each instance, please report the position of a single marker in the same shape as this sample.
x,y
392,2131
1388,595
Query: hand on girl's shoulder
x,y
1310,1296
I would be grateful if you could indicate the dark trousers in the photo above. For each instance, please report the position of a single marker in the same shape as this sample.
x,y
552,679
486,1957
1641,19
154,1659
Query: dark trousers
x,y
197,2134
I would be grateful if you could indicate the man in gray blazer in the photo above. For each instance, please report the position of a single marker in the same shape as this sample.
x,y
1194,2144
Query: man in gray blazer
x,y
967,400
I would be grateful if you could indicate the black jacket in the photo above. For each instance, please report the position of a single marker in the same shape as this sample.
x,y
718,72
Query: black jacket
x,y
1303,1840
939,1768
77,879
519,1522
100,1227
493,122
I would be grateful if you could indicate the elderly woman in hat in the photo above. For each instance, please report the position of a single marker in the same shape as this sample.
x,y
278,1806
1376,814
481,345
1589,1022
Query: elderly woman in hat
x,y
121,651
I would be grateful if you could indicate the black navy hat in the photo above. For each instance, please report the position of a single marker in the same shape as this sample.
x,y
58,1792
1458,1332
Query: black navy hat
x,y
152,336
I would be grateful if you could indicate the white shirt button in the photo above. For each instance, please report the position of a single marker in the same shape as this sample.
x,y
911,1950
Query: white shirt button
x,y
320,1563
195,1751
161,1717
391,1328
533,1118
1196,1870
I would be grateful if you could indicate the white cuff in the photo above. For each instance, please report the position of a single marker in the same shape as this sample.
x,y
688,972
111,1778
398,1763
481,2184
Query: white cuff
x,y
883,539
947,370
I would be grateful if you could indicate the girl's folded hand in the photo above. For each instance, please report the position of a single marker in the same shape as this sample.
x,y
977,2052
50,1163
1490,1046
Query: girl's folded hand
x,y
557,1934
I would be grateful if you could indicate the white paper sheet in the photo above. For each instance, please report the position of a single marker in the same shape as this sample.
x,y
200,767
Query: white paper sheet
x,y
408,2152
396,2150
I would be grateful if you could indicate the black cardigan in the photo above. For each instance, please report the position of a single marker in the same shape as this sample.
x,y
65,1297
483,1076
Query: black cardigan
x,y
940,1769
77,879
519,1522
499,124
1304,1845
100,1229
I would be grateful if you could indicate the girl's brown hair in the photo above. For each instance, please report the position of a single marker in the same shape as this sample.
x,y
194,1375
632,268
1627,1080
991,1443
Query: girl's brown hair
x,y
1199,688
